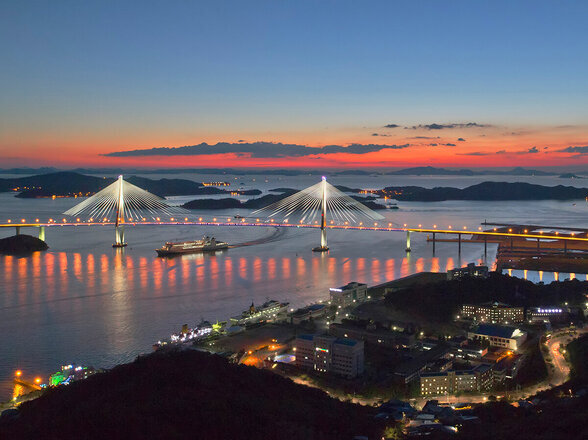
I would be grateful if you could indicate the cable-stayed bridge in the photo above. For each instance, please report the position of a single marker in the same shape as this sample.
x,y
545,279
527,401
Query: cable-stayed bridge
x,y
321,206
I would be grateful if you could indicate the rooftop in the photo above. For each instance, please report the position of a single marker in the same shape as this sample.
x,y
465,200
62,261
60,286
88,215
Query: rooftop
x,y
351,285
343,341
499,331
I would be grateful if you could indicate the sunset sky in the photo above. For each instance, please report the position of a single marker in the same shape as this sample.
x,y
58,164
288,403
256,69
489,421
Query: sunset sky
x,y
404,83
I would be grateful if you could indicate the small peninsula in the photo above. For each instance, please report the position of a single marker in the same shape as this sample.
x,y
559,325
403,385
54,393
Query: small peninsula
x,y
21,245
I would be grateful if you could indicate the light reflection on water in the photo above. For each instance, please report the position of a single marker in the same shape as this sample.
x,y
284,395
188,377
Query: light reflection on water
x,y
84,302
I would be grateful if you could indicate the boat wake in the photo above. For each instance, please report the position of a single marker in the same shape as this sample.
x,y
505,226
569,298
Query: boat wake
x,y
277,234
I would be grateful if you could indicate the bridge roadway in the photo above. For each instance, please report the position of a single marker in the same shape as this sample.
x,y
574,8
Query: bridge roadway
x,y
573,236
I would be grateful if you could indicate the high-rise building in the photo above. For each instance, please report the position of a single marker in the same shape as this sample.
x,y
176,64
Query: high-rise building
x,y
349,294
328,354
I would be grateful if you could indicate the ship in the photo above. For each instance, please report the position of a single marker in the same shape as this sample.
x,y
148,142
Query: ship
x,y
269,311
388,203
207,244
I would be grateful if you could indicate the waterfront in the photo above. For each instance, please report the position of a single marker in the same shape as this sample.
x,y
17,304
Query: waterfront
x,y
85,302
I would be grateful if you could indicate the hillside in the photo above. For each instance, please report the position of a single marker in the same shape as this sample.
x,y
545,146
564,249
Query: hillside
x,y
441,301
69,184
187,395
63,183
486,191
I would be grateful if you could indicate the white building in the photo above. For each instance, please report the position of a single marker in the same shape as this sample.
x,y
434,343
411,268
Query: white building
x,y
499,335
349,294
328,354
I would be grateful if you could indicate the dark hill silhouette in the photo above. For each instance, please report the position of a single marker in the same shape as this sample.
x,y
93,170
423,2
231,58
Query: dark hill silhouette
x,y
21,244
63,183
68,184
187,395
173,187
487,191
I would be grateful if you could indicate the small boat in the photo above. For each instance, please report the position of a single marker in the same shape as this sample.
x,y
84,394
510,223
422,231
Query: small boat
x,y
389,203
207,244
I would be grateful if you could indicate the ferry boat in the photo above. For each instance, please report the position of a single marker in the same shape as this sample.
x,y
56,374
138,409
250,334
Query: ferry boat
x,y
207,244
269,311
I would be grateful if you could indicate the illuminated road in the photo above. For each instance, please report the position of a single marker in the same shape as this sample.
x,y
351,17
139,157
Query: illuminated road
x,y
556,346
376,226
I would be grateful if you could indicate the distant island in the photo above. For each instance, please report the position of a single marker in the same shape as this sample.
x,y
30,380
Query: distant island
x,y
414,171
72,184
262,202
570,176
21,245
485,191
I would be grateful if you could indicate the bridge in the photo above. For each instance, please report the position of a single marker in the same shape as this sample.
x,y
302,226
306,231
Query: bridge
x,y
321,206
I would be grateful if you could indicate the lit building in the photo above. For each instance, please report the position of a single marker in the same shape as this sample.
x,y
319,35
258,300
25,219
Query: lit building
x,y
330,355
313,311
547,314
70,373
499,335
372,334
452,381
471,270
349,294
493,312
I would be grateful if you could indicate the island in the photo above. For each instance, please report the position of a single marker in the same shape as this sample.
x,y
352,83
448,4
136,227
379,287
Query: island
x,y
21,244
491,191
73,184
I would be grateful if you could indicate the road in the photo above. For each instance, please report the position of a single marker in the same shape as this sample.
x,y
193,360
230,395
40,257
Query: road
x,y
556,377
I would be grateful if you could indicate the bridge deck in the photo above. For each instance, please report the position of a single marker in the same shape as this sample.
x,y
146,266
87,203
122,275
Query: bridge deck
x,y
538,236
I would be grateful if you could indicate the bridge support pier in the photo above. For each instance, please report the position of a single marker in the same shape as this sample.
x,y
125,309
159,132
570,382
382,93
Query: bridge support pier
x,y
18,230
485,248
459,244
42,233
407,241
119,236
433,244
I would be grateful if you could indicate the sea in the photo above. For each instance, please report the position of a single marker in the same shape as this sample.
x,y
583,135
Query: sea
x,y
84,302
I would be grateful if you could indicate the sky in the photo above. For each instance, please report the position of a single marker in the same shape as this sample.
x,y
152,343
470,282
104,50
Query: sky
x,y
278,84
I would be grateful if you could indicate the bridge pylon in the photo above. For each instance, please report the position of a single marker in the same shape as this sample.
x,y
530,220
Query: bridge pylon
x,y
119,226
316,203
127,202
323,247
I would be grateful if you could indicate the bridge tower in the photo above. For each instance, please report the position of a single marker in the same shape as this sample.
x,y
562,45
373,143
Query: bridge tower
x,y
314,203
119,226
323,247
